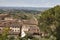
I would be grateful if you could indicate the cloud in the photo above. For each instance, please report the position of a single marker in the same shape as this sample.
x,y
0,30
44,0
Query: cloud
x,y
29,3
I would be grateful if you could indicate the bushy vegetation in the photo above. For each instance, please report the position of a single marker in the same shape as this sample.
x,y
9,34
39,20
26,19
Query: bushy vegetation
x,y
49,22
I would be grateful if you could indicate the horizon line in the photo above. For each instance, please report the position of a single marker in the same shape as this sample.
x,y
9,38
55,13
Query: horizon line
x,y
28,6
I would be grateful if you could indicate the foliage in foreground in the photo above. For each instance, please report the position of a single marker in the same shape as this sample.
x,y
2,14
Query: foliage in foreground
x,y
49,22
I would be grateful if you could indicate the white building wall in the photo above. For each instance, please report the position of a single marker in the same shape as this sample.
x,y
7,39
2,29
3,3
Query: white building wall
x,y
24,28
8,18
15,29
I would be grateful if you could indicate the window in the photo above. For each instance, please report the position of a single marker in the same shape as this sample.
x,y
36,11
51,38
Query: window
x,y
0,29
18,30
15,30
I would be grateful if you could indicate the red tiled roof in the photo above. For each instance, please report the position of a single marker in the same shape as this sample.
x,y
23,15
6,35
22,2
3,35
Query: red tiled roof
x,y
29,22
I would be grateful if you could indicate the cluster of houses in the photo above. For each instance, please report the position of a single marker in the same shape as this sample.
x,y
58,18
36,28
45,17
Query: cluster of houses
x,y
17,26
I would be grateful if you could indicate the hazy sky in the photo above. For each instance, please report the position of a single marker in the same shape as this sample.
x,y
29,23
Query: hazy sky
x,y
29,3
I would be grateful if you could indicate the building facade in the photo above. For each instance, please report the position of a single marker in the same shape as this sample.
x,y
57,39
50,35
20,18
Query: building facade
x,y
17,26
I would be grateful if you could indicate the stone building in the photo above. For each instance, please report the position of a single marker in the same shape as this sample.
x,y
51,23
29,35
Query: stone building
x,y
30,27
17,26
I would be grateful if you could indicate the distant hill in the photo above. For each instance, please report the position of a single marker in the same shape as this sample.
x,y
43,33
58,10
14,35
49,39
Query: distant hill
x,y
30,10
27,8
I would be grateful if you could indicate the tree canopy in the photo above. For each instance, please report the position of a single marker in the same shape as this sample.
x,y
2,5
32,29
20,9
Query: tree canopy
x,y
49,21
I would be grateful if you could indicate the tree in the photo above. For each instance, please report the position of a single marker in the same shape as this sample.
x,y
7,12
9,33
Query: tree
x,y
49,21
4,34
11,38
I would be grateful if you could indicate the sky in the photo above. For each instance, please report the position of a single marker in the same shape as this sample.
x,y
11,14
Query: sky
x,y
29,3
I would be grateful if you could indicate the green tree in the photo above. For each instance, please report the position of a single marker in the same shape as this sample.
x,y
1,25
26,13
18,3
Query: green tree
x,y
4,34
49,21
11,38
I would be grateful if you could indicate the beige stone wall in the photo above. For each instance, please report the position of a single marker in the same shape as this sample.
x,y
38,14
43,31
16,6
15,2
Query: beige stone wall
x,y
8,19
